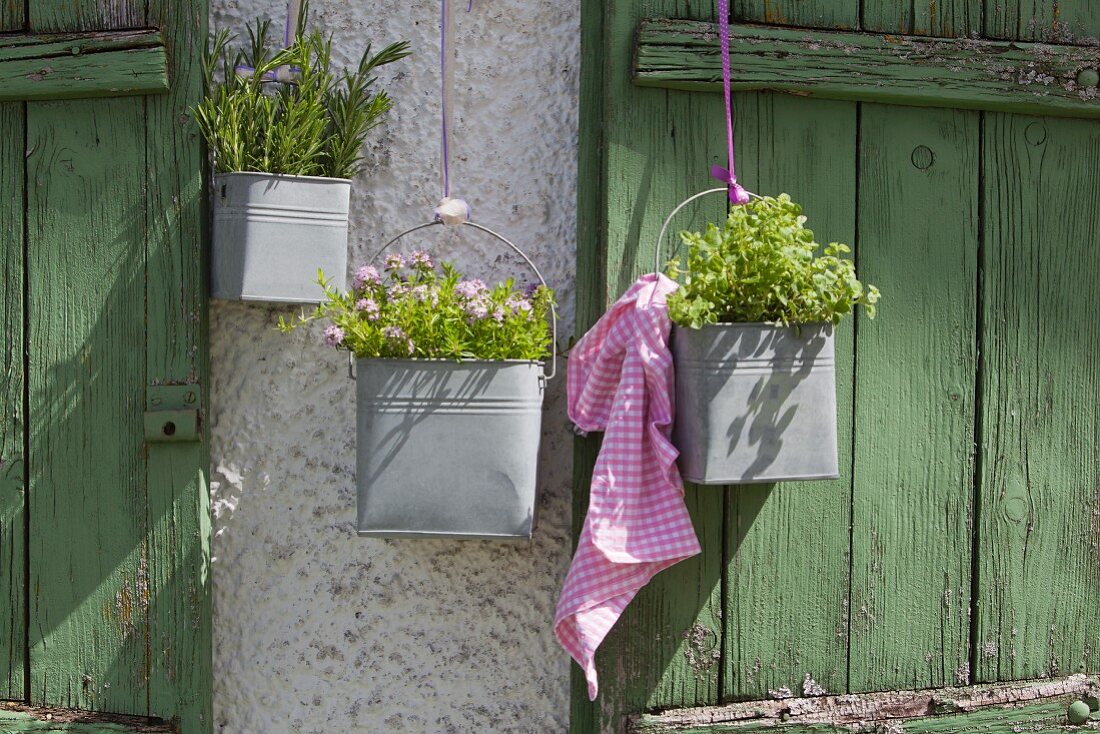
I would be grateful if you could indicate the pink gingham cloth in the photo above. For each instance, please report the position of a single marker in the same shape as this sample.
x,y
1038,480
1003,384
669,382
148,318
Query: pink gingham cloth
x,y
620,382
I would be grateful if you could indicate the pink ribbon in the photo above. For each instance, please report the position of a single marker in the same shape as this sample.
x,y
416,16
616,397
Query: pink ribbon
x,y
728,176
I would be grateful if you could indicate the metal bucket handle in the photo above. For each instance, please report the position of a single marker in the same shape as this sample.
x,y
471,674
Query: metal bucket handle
x,y
521,253
681,205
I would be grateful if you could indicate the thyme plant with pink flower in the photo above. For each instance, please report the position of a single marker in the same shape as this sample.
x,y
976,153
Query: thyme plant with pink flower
x,y
412,309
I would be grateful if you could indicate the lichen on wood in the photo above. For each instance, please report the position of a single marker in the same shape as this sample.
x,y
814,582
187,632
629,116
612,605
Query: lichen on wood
x,y
1024,702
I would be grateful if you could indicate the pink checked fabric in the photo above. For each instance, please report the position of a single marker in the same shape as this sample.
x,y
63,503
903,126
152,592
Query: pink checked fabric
x,y
620,382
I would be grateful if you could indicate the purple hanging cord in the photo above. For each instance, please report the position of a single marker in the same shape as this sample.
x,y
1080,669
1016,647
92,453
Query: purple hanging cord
x,y
290,32
449,211
444,71
738,195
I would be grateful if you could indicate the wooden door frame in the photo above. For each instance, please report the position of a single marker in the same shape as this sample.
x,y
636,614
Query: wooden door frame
x,y
158,55
660,647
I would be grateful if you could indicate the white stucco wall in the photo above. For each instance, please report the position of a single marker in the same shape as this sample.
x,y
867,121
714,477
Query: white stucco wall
x,y
317,630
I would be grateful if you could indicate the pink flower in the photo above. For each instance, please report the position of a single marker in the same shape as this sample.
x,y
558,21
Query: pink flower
x,y
334,336
394,262
470,289
421,260
498,315
368,307
394,332
397,336
476,310
519,305
368,274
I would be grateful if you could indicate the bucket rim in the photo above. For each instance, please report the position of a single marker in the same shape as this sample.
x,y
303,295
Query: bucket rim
x,y
456,362
287,176
758,325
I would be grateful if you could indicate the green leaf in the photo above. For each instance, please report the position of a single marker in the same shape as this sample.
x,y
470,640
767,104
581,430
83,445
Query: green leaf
x,y
761,266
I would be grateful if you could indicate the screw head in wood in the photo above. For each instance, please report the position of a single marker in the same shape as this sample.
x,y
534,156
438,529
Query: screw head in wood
x,y
1078,712
1088,78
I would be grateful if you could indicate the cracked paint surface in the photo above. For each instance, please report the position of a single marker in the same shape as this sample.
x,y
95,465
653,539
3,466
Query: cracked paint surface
x,y
317,630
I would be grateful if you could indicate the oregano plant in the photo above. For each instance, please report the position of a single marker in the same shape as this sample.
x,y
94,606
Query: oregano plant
x,y
763,266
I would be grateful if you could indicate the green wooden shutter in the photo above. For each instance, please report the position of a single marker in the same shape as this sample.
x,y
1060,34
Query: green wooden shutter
x,y
960,544
104,527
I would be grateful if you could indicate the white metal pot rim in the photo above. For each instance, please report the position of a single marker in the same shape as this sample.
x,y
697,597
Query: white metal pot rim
x,y
286,176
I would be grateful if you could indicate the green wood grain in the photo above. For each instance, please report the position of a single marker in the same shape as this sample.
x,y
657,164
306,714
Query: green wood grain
x,y
914,399
788,544
655,149
915,392
180,615
941,18
889,69
90,575
1042,20
78,65
13,628
71,16
1040,527
804,13
591,287
12,449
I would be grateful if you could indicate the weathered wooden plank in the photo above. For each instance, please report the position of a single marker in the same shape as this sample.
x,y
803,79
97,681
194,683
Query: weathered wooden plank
x,y
79,65
941,18
13,600
1042,20
911,610
68,16
1039,524
89,561
804,13
180,615
890,69
914,400
30,46
656,148
788,544
12,448
18,718
591,286
1038,705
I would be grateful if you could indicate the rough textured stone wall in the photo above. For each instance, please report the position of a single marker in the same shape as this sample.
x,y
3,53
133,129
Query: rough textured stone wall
x,y
317,630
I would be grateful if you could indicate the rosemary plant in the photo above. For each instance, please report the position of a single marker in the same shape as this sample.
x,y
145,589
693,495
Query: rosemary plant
x,y
312,125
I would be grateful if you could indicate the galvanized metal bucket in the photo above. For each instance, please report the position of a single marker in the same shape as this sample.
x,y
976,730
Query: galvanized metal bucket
x,y
449,449
754,402
272,233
